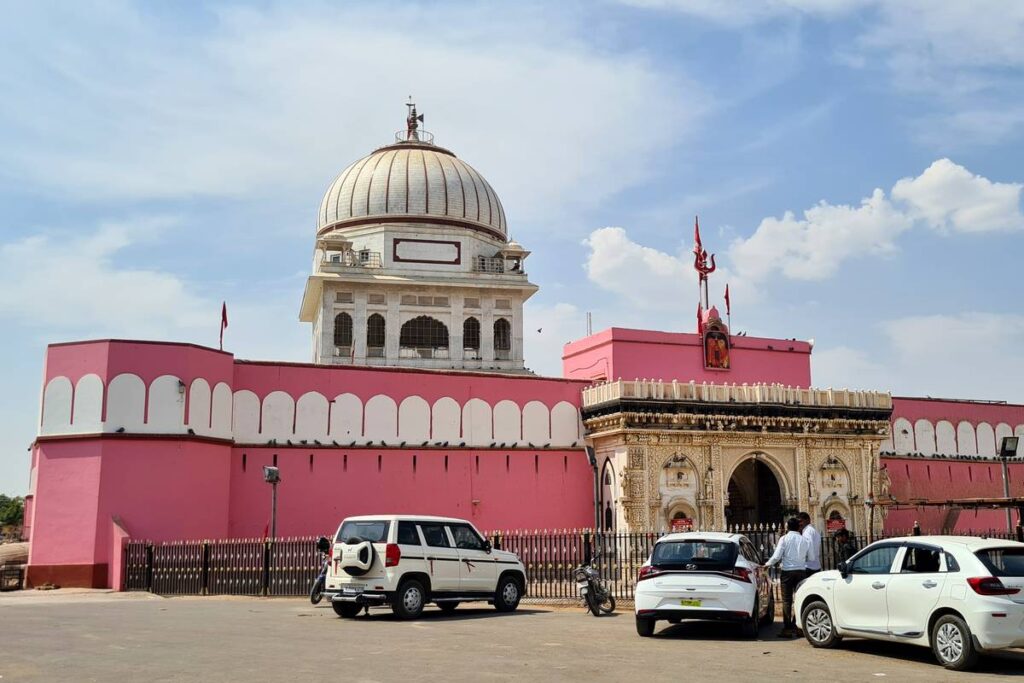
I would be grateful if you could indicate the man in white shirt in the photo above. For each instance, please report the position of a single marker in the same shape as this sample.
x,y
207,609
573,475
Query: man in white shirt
x,y
813,538
791,553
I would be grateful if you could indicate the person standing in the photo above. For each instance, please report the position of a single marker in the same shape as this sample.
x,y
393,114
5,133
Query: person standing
x,y
813,538
791,553
846,547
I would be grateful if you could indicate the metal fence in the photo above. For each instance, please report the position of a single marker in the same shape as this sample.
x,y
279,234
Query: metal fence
x,y
286,567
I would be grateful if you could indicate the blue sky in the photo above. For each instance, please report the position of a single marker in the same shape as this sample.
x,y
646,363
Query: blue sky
x,y
856,167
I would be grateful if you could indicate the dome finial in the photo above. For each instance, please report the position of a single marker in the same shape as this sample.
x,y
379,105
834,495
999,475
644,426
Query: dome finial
x,y
412,121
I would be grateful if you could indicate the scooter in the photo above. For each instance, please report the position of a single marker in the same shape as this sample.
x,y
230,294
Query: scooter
x,y
316,593
593,589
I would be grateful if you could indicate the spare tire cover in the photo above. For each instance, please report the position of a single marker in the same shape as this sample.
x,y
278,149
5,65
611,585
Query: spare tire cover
x,y
357,557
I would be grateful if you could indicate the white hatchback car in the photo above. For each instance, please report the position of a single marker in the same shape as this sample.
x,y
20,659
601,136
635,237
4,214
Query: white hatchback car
x,y
406,561
707,576
958,595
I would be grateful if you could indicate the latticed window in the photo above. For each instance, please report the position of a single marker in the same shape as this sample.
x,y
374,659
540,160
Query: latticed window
x,y
375,335
471,334
343,330
502,335
424,332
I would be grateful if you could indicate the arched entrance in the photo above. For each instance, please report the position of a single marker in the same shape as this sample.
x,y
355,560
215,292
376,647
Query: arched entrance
x,y
755,495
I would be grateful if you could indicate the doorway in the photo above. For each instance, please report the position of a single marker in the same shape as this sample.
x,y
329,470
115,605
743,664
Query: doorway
x,y
755,495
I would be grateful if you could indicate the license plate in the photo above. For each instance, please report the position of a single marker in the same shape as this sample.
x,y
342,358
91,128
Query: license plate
x,y
352,590
690,603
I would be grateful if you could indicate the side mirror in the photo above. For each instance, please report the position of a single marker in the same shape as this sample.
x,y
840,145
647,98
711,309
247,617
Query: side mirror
x,y
487,546
844,569
323,545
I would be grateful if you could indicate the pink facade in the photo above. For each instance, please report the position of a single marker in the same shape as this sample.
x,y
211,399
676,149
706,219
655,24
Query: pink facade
x,y
169,440
620,353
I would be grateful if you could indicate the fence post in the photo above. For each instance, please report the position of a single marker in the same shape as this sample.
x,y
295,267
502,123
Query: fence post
x,y
587,549
149,567
265,589
204,589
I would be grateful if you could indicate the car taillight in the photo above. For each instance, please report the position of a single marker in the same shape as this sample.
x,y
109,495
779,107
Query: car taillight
x,y
990,585
392,555
647,572
741,574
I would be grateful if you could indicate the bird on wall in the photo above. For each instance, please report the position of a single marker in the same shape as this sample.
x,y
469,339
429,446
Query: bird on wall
x,y
317,442
530,444
445,444
501,445
352,444
191,432
492,444
462,444
401,445
368,443
288,441
303,442
120,430
424,443
336,443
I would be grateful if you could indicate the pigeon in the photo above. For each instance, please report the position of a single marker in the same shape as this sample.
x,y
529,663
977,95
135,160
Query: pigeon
x,y
288,441
317,442
352,444
401,445
120,430
303,442
335,442
462,444
424,444
530,444
538,330
492,444
445,444
191,432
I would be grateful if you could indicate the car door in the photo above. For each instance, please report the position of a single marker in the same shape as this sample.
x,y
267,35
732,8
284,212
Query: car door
x,y
442,557
913,592
860,596
759,577
477,569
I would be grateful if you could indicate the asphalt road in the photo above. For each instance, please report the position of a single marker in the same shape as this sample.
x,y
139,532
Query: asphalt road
x,y
131,637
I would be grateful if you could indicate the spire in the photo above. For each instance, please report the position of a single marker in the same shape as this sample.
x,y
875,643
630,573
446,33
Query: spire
x,y
412,121
700,264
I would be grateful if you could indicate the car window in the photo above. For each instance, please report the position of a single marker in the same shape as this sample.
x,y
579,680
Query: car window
x,y
921,560
407,534
695,554
875,561
435,536
1003,561
466,538
750,552
375,531
951,564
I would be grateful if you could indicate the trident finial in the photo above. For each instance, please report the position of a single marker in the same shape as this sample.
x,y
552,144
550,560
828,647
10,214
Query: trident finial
x,y
412,121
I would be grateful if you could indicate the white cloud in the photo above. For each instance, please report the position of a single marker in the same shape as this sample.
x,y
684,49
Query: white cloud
x,y
968,355
948,196
815,245
549,328
644,276
746,12
285,97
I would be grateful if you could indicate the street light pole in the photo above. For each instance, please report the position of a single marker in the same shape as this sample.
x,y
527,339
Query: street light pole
x,y
1006,494
1007,450
272,476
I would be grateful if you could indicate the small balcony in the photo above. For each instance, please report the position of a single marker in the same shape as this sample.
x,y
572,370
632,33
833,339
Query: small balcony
x,y
354,259
424,352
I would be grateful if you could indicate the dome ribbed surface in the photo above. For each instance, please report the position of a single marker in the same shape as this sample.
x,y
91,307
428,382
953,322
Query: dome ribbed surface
x,y
415,181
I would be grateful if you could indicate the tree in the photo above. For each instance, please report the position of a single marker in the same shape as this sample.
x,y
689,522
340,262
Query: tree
x,y
12,510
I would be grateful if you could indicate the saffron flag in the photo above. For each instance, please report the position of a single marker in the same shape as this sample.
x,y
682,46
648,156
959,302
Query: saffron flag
x,y
697,246
223,322
728,310
700,319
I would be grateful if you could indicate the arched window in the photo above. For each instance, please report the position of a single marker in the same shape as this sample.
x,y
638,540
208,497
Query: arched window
x,y
375,336
423,337
502,339
471,338
343,330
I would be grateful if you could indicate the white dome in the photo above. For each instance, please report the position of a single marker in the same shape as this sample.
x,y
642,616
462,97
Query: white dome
x,y
412,182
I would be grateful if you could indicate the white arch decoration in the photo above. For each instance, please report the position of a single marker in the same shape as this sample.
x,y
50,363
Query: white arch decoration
x,y
903,436
166,414
945,438
126,403
311,416
346,418
199,400
88,413
381,418
986,439
565,424
773,464
924,436
965,441
245,416
1002,430
56,417
445,419
536,423
507,422
414,420
476,423
277,418
221,411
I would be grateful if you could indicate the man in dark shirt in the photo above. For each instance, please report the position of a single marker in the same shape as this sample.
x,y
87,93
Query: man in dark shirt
x,y
846,547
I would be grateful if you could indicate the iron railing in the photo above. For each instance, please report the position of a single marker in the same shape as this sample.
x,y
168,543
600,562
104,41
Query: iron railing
x,y
288,566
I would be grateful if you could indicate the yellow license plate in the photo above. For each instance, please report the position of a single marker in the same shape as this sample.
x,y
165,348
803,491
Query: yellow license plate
x,y
690,603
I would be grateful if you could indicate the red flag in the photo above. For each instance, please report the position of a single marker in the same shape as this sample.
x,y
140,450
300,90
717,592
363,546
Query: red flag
x,y
700,319
697,246
266,531
223,322
727,308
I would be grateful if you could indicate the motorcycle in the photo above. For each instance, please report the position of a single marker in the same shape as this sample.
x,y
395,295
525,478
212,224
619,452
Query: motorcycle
x,y
316,593
593,588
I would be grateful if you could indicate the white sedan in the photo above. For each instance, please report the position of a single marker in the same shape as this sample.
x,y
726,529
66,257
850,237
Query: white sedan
x,y
707,576
958,595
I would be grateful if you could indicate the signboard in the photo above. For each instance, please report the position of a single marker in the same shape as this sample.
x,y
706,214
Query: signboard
x,y
684,524
834,525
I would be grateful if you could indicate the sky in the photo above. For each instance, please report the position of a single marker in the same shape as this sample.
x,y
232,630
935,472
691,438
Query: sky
x,y
855,165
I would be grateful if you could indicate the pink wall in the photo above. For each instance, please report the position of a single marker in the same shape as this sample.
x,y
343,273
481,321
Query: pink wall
x,y
549,489
954,411
618,353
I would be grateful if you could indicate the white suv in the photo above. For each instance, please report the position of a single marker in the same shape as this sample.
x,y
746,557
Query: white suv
x,y
408,561
958,595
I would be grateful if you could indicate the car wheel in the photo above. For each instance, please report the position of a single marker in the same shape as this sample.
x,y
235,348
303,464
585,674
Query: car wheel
x,y
346,609
447,607
644,627
751,625
819,629
506,598
409,600
953,644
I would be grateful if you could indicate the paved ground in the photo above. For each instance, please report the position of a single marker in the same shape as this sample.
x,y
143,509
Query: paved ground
x,y
65,635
